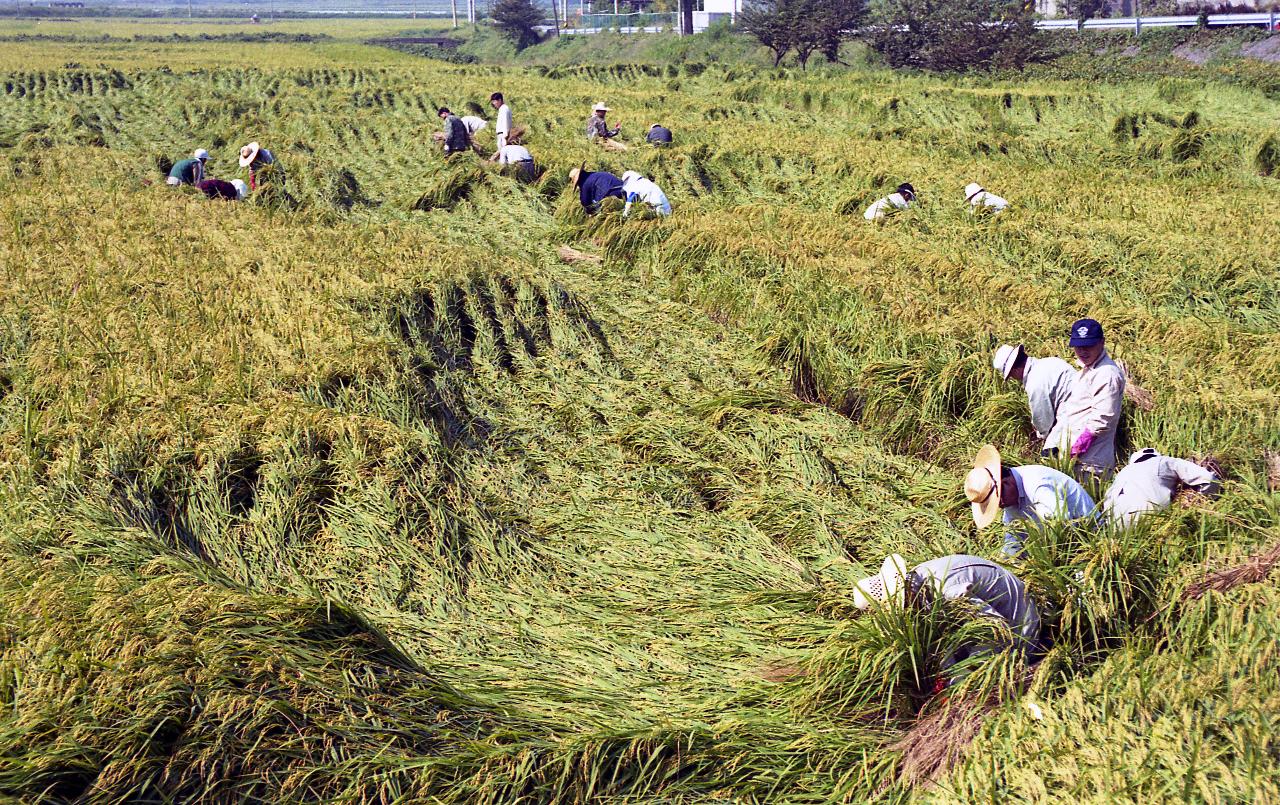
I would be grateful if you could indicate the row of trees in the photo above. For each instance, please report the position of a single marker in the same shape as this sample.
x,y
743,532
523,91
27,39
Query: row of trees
x,y
928,34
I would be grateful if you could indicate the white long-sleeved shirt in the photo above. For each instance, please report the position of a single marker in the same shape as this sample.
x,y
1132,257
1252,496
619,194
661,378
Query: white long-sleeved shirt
x,y
1048,383
503,126
637,188
1150,484
995,592
512,154
474,124
1094,401
1046,494
988,200
878,209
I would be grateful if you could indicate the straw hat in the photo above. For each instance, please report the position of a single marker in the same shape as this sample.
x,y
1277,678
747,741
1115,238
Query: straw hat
x,y
575,174
248,154
201,154
972,189
1006,357
242,189
600,107
982,486
884,587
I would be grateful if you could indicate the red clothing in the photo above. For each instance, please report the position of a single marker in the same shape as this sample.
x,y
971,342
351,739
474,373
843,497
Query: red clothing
x,y
217,188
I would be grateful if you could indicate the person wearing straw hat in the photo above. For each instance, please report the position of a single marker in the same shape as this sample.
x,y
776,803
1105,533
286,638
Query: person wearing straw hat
x,y
1149,482
899,199
1030,497
234,190
597,128
637,188
1090,416
992,590
188,171
594,187
254,157
979,199
658,135
1046,380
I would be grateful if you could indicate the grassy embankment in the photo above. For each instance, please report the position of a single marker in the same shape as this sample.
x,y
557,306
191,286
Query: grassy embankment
x,y
359,492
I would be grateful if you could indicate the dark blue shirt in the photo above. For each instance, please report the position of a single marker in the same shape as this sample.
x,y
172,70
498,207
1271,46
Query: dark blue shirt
x,y
659,135
596,187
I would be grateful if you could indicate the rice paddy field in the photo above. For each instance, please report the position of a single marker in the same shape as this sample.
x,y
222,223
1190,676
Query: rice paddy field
x,y
406,481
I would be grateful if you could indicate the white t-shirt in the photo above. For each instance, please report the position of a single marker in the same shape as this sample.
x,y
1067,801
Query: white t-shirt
x,y
990,201
877,210
511,154
503,128
474,124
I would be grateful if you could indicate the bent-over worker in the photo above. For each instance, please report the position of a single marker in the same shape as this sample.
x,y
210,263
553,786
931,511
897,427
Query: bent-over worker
x,y
234,190
518,156
1029,497
979,199
254,157
658,135
455,136
188,171
1149,482
1047,381
637,188
594,187
899,199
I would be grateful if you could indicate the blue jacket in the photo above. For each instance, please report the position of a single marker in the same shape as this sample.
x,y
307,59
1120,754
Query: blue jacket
x,y
595,187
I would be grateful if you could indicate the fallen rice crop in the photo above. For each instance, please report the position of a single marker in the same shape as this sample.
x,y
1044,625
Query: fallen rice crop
x,y
408,481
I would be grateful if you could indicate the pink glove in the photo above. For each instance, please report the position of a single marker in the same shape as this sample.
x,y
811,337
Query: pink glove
x,y
1083,442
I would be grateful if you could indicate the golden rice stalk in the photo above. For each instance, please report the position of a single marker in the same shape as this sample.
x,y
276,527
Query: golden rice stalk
x,y
1255,569
570,256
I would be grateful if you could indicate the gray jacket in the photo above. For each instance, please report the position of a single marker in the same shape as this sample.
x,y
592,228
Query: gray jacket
x,y
995,592
1149,484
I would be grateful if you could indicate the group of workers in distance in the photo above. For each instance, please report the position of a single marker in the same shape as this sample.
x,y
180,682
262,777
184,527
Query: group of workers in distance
x,y
975,195
193,171
1076,412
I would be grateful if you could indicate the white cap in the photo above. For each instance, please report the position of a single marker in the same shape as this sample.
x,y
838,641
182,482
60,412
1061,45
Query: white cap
x,y
1143,454
242,189
972,189
884,587
1006,357
201,154
629,175
600,107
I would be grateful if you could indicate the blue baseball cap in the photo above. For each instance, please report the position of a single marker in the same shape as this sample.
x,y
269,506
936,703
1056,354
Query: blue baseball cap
x,y
1086,333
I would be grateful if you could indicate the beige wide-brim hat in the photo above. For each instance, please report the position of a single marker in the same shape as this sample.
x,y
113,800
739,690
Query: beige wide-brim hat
x,y
575,174
1006,356
600,107
884,587
972,189
248,154
982,486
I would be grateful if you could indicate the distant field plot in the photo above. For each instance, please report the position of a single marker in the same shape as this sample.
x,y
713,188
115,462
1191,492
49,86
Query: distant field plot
x,y
363,489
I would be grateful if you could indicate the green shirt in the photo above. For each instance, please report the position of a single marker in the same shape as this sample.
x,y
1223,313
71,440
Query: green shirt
x,y
188,171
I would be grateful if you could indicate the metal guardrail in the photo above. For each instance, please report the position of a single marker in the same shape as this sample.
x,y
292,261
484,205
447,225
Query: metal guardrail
x,y
1267,19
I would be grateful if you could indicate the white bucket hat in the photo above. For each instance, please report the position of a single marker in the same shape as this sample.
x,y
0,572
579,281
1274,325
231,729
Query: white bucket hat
x,y
972,189
1006,356
242,189
885,587
248,154
600,107
201,154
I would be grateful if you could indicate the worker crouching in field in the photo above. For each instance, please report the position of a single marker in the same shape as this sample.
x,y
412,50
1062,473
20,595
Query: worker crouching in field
x,y
234,190
520,158
189,171
1149,483
258,159
594,187
900,199
636,188
658,135
1046,380
1030,497
598,130
992,590
455,136
980,200
1089,418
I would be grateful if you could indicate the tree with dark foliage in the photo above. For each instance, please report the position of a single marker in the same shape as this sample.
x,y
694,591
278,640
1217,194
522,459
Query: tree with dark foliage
x,y
808,26
955,35
516,19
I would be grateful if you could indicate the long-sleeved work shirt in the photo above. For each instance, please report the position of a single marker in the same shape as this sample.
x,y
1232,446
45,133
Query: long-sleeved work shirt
x,y
596,127
1048,382
878,209
474,124
993,590
1093,404
990,201
188,171
1150,484
1044,494
659,135
637,188
456,138
596,186
503,126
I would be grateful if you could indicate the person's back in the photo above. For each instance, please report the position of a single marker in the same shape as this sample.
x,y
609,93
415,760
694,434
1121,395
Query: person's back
x,y
596,186
637,188
1048,383
455,135
659,135
518,156
474,124
1149,482
898,200
219,189
991,588
188,171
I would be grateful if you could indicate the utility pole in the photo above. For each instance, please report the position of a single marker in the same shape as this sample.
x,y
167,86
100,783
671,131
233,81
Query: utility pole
x,y
454,5
190,12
